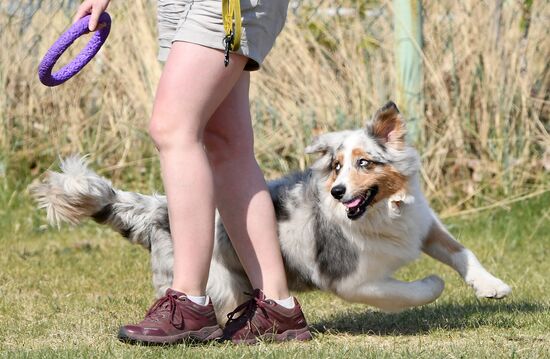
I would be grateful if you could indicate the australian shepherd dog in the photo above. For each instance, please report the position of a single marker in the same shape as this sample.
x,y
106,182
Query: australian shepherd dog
x,y
345,225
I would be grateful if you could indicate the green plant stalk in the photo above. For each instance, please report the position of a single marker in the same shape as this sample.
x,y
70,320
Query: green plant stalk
x,y
409,64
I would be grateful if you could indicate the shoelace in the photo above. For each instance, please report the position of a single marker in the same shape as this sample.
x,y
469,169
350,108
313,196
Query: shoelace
x,y
154,313
248,308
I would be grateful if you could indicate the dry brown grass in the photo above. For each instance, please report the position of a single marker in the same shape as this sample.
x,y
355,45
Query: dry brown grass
x,y
487,94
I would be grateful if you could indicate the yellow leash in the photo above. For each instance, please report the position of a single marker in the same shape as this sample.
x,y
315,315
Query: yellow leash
x,y
232,25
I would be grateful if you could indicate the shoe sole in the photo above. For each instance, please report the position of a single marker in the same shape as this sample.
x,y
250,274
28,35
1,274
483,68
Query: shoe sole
x,y
203,335
291,334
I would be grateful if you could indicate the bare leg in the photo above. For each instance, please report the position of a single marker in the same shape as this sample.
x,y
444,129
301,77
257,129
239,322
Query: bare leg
x,y
242,197
441,245
193,84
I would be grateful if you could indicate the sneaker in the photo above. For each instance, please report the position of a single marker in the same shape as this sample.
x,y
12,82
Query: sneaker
x,y
172,319
264,319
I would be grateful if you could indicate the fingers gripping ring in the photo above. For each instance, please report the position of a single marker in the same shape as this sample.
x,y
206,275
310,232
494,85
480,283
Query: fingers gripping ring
x,y
78,29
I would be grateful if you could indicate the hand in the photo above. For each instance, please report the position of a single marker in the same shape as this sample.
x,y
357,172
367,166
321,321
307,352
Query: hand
x,y
94,7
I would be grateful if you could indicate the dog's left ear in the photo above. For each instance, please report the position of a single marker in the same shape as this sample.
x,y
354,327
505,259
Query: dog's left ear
x,y
324,143
317,146
387,126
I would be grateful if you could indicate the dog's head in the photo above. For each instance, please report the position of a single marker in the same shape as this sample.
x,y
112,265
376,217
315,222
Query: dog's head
x,y
364,167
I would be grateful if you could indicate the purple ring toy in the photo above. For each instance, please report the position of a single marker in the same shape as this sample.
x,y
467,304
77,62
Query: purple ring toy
x,y
78,29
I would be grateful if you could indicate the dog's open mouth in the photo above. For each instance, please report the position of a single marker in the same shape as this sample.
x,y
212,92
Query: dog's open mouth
x,y
358,205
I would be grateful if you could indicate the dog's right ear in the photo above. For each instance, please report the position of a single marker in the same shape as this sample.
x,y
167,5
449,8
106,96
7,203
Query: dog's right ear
x,y
388,126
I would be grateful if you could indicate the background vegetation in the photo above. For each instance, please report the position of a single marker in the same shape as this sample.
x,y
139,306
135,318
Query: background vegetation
x,y
485,145
487,92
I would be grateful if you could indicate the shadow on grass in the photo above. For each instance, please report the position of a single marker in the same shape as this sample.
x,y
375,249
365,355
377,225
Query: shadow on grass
x,y
415,321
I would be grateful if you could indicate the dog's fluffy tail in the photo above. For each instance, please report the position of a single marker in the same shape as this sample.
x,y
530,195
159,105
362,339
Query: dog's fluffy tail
x,y
77,193
73,194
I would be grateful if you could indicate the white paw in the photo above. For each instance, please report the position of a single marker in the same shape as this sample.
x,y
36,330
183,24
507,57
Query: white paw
x,y
435,284
488,286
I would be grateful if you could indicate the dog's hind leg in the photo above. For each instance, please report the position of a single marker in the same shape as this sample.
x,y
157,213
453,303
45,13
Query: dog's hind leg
x,y
162,260
392,295
441,245
226,289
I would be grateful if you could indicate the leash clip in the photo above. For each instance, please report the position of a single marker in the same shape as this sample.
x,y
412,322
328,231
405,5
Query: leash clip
x,y
228,44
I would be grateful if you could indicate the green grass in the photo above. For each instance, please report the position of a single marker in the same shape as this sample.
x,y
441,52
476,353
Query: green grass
x,y
65,293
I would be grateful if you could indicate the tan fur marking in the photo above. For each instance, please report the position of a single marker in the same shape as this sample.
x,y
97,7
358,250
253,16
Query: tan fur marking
x,y
388,180
438,236
358,153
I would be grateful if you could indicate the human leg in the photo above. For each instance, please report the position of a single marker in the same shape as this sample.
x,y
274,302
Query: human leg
x,y
246,209
241,196
193,84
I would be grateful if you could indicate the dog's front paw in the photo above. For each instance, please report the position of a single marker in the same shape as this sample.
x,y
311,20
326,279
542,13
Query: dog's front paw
x,y
488,286
435,284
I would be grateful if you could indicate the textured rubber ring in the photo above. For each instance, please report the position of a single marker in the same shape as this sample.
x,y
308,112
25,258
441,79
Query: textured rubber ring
x,y
78,29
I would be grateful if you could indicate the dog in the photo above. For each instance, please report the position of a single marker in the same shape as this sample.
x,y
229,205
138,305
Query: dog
x,y
345,225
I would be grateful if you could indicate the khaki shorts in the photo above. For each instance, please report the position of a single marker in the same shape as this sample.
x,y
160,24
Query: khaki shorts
x,y
200,22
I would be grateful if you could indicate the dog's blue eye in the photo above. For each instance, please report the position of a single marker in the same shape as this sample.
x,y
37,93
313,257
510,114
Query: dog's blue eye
x,y
363,163
337,167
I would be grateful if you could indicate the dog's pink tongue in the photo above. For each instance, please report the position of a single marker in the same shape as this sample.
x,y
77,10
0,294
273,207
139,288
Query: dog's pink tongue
x,y
353,203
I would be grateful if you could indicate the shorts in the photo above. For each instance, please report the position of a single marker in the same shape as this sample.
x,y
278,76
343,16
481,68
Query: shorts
x,y
200,22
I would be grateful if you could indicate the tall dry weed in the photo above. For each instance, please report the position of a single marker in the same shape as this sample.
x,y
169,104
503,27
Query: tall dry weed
x,y
487,93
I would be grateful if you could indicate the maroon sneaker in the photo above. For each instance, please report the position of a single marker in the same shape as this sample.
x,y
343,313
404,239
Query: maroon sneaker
x,y
172,319
264,319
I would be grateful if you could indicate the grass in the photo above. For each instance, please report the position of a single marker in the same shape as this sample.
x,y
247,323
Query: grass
x,y
65,293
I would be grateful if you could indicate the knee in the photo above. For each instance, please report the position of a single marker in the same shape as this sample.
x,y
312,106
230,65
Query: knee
x,y
161,132
168,133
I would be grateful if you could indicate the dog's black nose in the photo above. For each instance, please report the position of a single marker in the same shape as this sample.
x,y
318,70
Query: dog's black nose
x,y
338,191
